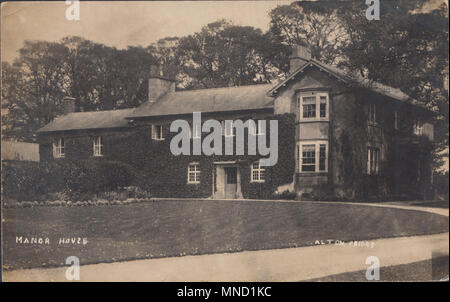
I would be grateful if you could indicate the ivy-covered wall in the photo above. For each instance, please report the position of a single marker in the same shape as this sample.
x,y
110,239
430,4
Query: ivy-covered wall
x,y
166,173
401,150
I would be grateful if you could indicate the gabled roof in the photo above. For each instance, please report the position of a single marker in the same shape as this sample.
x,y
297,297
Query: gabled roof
x,y
345,77
251,97
89,120
208,100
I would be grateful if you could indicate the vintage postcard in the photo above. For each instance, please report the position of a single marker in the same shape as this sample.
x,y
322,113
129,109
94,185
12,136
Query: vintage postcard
x,y
220,141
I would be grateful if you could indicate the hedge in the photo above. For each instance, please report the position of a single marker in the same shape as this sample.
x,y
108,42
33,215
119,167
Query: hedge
x,y
79,180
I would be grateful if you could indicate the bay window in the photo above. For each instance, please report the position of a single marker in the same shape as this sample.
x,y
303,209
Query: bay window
x,y
312,156
313,106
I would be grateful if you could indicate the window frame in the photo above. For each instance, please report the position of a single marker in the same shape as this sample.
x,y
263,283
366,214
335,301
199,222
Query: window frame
x,y
372,114
97,147
196,173
396,120
154,132
260,172
59,148
418,127
317,94
317,144
375,168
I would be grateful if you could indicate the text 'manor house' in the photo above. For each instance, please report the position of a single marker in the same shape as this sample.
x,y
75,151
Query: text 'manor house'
x,y
338,134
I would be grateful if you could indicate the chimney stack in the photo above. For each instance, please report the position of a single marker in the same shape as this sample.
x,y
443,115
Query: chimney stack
x,y
299,57
158,85
68,104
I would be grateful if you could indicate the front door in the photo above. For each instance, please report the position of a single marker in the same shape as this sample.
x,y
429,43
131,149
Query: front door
x,y
230,182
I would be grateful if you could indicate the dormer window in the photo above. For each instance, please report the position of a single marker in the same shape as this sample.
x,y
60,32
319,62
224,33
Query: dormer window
x,y
59,148
313,106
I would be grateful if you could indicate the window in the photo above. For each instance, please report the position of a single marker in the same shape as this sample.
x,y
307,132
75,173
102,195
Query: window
x,y
309,107
59,148
313,106
308,158
373,160
257,172
322,157
372,114
98,146
227,128
312,156
259,129
194,173
396,120
323,106
418,127
157,132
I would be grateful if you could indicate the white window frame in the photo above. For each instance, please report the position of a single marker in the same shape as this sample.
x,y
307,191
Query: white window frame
x,y
418,127
59,148
156,137
317,95
377,160
316,144
98,146
259,170
195,172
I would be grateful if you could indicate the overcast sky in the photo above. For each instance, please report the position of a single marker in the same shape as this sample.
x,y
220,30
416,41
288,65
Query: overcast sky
x,y
120,24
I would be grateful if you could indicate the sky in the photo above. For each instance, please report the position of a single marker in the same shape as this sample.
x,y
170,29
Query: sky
x,y
120,24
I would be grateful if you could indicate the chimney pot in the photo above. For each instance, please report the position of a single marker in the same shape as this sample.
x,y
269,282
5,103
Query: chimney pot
x,y
299,57
68,104
158,85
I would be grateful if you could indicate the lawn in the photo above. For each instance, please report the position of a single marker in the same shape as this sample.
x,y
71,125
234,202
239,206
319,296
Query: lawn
x,y
174,228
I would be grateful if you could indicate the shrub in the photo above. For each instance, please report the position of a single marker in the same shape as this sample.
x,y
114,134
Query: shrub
x,y
287,195
22,181
69,180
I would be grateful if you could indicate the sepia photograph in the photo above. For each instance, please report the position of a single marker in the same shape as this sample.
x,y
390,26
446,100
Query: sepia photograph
x,y
225,141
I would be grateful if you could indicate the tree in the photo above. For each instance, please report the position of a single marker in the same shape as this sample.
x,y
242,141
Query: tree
x,y
313,24
33,88
222,54
407,49
97,76
104,78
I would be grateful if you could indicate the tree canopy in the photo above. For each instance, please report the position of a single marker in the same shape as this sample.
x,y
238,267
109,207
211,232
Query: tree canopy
x,y
407,49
